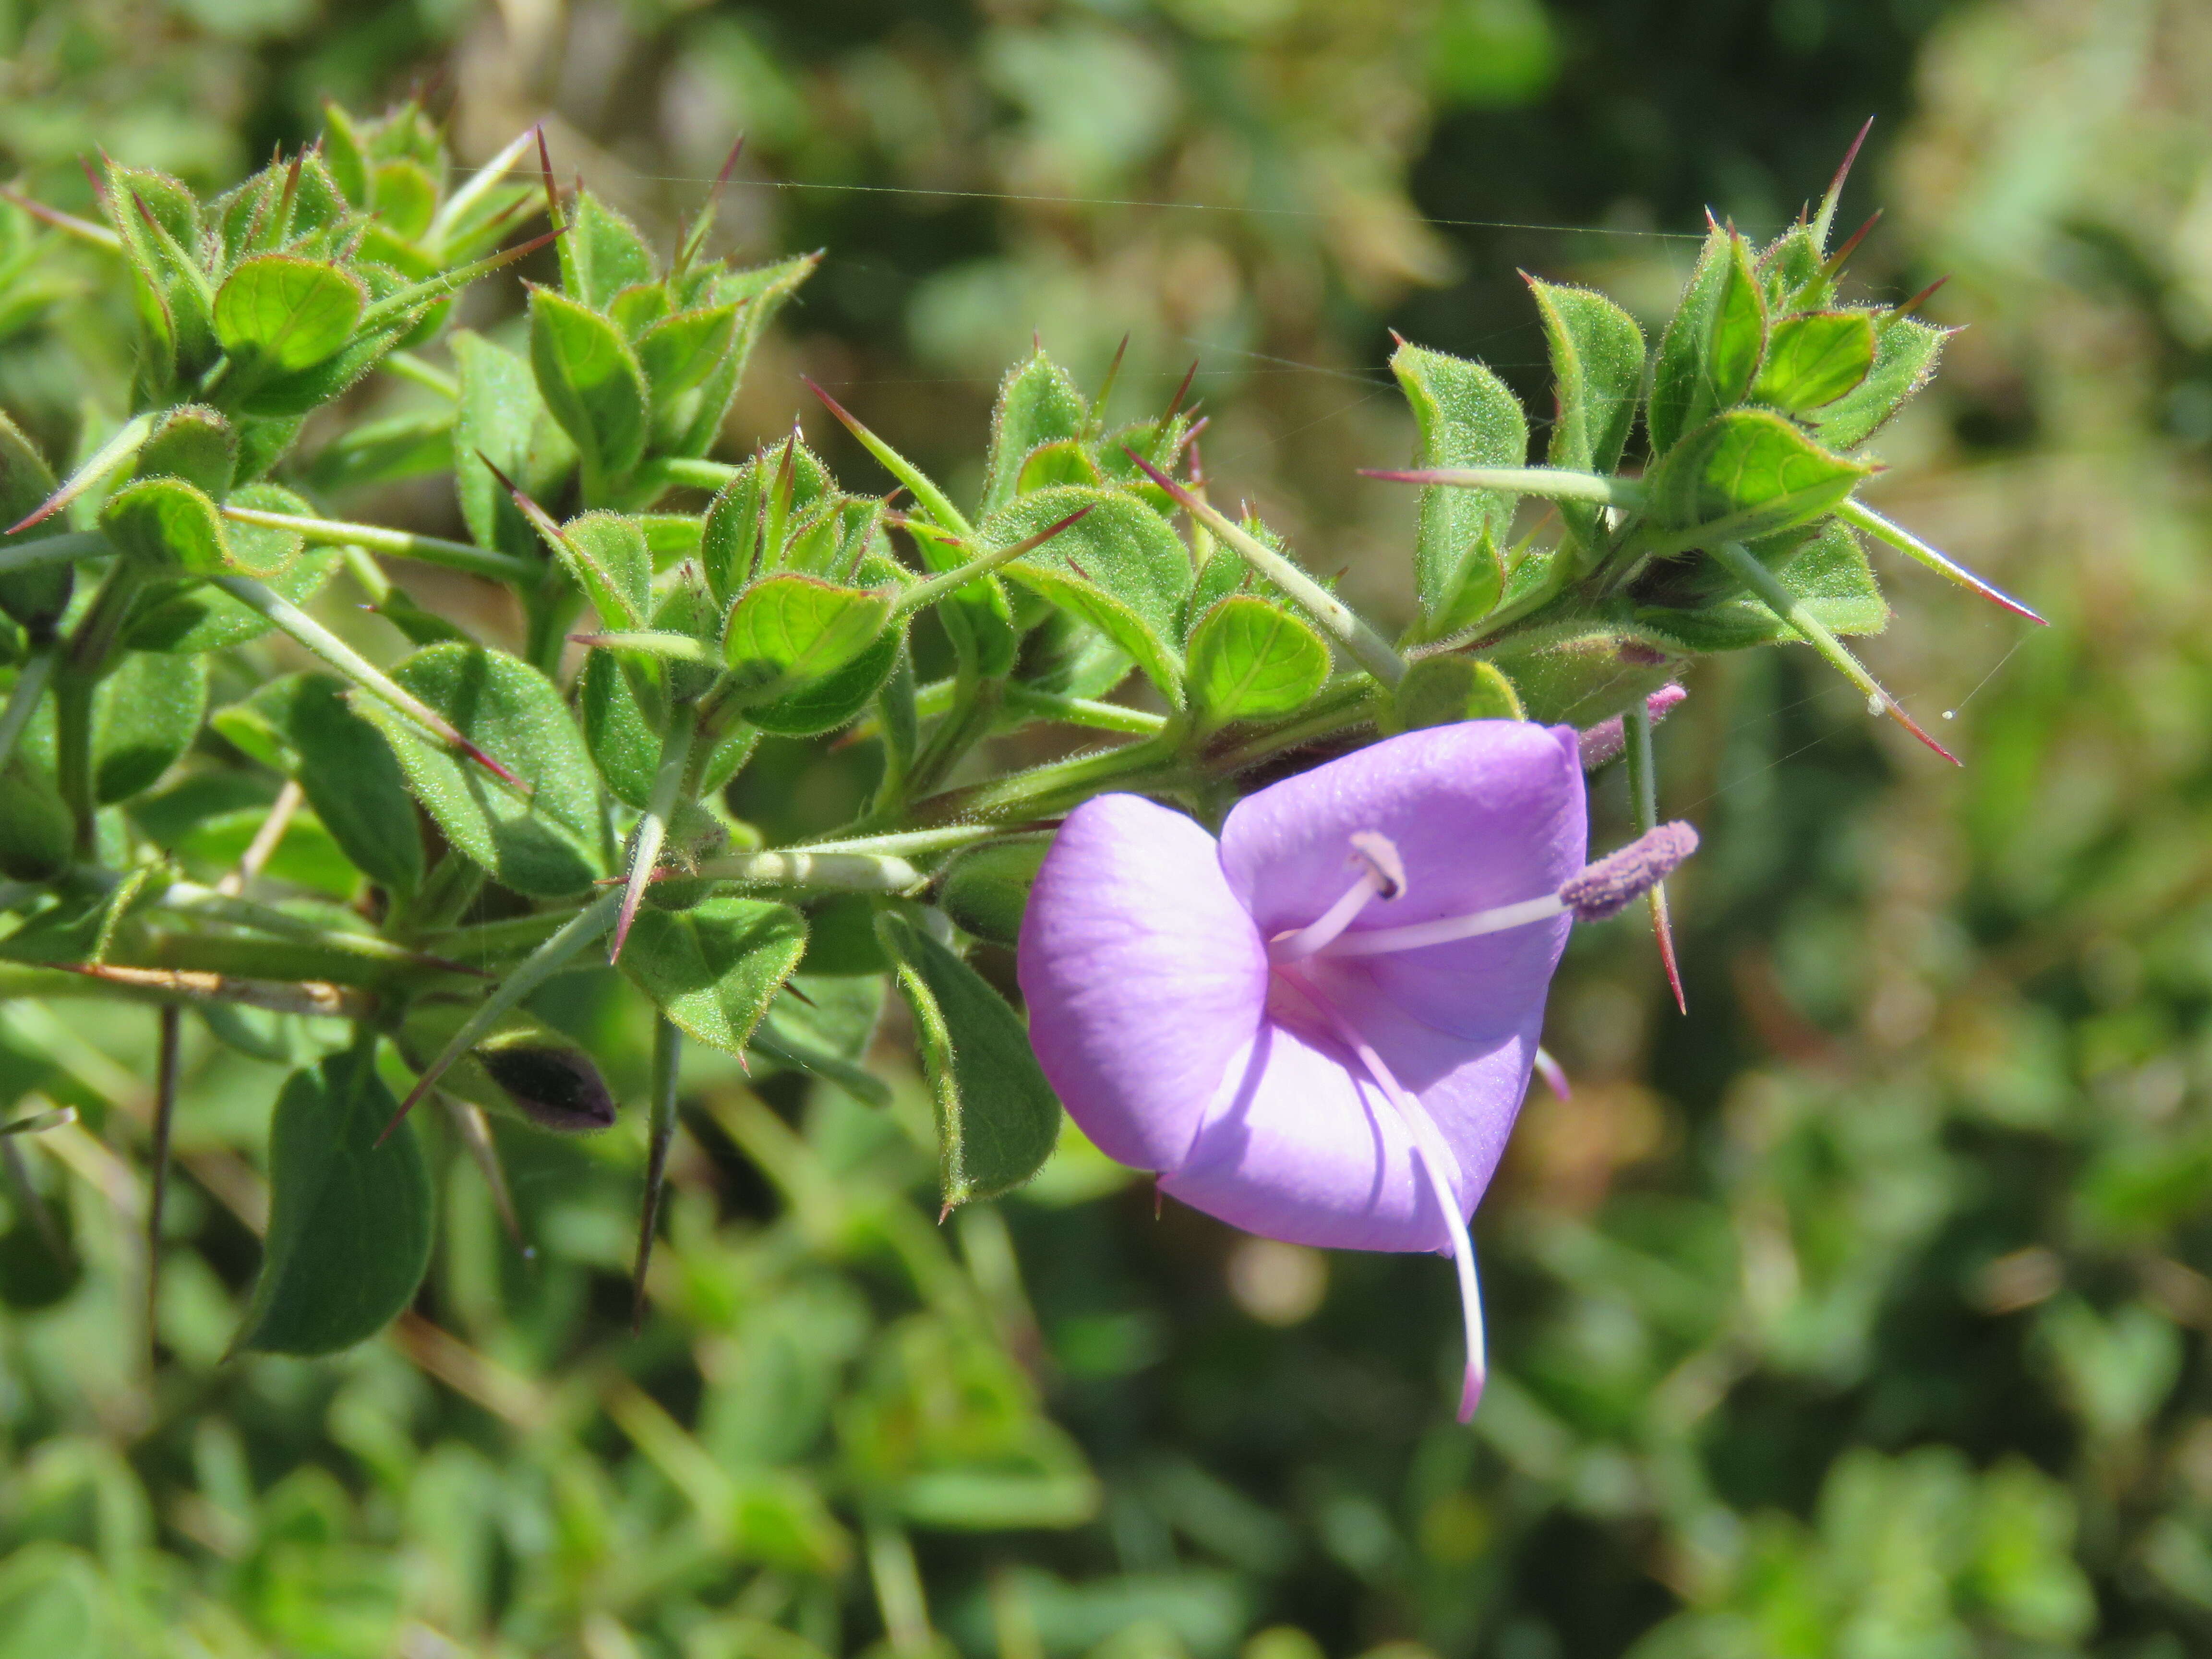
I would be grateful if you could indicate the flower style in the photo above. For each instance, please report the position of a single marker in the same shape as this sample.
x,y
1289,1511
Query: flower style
x,y
1320,1028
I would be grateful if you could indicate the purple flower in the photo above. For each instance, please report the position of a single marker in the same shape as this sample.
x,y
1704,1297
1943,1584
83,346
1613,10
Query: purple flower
x,y
1320,1028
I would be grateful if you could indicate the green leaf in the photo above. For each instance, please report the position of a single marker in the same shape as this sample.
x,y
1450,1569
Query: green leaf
x,y
787,631
144,716
1678,371
997,1117
188,615
350,1220
1119,545
35,598
589,379
52,1599
1745,474
1789,266
730,535
1444,690
349,776
1906,349
679,352
624,744
1066,461
1815,358
714,968
1250,660
836,699
1038,404
549,842
1467,418
499,417
195,443
276,314
1597,372
607,554
986,890
602,254
1737,342
169,524
1093,605
1582,682
36,829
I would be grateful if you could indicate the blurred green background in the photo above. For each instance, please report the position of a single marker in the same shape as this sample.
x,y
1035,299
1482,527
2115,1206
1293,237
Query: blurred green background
x,y
1862,1313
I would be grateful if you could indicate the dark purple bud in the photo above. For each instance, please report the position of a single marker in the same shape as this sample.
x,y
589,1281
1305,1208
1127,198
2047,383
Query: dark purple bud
x,y
1604,741
1604,889
555,1088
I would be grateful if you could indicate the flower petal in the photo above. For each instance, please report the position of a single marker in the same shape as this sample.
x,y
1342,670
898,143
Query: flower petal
x,y
1300,1145
1483,813
1144,976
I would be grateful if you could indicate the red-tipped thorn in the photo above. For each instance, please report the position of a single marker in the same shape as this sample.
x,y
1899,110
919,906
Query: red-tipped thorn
x,y
1919,299
943,1214
1896,712
53,215
1197,465
728,168
421,1088
830,403
1843,172
545,171
99,184
1113,376
1181,391
1662,929
1834,262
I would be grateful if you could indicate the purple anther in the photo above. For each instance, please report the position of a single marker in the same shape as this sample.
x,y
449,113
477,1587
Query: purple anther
x,y
1607,887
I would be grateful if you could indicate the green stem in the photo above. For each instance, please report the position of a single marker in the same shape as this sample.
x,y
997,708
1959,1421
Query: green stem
x,y
395,543
1865,518
660,1130
666,472
653,825
1741,563
23,700
408,367
451,887
64,549
1643,803
809,867
1547,482
83,660
1351,631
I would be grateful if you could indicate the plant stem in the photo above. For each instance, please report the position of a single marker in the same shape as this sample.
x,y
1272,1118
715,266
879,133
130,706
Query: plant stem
x,y
660,1130
395,543
1643,802
23,700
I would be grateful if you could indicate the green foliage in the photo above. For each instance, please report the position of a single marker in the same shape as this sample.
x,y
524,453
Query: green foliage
x,y
350,1214
996,1118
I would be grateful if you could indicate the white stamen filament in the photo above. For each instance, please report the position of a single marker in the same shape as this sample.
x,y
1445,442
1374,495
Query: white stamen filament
x,y
1437,1162
1382,941
1382,875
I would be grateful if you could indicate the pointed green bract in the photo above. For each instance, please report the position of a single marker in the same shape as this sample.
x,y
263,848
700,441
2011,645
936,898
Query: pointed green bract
x,y
1251,660
679,352
1743,474
548,843
1038,404
350,1217
1678,371
996,1118
1444,690
1906,349
714,968
167,522
194,443
602,254
607,556
1736,344
276,314
789,629
589,379
1597,373
1466,418
1119,545
1815,358
1093,605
